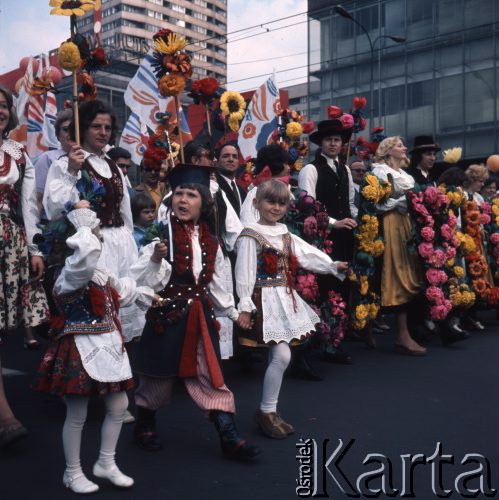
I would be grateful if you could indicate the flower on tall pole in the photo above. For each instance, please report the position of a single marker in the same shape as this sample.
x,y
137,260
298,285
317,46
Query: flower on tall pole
x,y
173,68
75,54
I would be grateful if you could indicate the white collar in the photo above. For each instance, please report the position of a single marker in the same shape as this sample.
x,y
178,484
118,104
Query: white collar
x,y
276,230
12,148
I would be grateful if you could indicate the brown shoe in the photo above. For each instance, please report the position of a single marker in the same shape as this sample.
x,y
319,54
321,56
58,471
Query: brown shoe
x,y
288,428
270,424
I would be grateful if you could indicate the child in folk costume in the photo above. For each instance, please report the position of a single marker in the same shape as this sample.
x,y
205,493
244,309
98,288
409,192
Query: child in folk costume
x,y
87,356
267,258
180,339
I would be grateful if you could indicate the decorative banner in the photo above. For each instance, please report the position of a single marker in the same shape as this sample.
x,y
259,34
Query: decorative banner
x,y
98,17
260,120
147,106
34,146
49,137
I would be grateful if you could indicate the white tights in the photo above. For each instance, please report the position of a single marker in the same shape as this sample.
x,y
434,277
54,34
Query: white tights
x,y
76,414
279,358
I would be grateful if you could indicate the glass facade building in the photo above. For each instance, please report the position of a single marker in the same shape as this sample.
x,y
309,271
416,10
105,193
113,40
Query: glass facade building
x,y
442,81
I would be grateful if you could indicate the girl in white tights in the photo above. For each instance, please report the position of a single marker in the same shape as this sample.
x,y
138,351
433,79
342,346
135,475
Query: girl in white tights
x,y
270,310
87,356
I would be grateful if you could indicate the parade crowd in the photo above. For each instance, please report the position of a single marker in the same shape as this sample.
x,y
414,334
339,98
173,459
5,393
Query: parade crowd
x,y
193,266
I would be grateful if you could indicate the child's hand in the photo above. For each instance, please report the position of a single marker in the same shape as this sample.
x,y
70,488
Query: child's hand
x,y
160,251
244,321
82,204
342,267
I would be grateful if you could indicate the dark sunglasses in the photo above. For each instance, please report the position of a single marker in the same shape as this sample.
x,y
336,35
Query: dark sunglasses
x,y
123,165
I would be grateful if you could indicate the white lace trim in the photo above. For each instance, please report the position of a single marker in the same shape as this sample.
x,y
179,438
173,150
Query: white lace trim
x,y
281,322
13,148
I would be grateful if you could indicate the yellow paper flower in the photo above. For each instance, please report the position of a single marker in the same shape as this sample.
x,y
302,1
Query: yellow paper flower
x,y
69,56
173,44
232,103
362,312
71,7
452,155
364,285
294,130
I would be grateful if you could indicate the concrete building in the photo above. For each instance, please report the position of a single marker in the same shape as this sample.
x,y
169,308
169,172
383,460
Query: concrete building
x,y
443,80
128,27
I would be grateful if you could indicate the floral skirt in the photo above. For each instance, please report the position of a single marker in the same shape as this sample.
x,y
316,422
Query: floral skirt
x,y
21,302
401,274
61,372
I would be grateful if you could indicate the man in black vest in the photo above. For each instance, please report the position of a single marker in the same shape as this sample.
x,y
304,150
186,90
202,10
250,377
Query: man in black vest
x,y
228,164
329,181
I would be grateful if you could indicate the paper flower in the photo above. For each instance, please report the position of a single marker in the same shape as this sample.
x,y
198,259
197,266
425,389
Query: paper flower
x,y
294,130
71,7
232,105
69,56
171,85
172,44
452,155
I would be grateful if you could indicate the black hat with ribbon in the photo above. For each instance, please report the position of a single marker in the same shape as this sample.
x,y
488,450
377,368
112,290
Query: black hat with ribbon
x,y
327,128
425,143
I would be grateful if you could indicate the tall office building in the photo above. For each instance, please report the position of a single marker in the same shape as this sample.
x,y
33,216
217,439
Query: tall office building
x,y
442,80
127,30
128,27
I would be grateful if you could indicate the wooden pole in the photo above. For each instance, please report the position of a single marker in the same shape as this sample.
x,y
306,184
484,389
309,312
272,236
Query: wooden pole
x,y
180,140
75,88
208,121
75,109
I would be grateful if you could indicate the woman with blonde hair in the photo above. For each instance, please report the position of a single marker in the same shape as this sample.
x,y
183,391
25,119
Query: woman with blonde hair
x,y
401,274
474,180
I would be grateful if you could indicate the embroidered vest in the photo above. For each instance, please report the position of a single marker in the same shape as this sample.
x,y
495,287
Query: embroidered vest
x,y
108,210
332,188
89,310
274,266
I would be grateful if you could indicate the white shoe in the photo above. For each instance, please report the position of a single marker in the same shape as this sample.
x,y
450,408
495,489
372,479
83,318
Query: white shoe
x,y
128,418
113,474
79,483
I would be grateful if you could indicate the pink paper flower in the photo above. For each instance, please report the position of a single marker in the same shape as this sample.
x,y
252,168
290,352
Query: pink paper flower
x,y
437,258
427,233
425,250
440,312
322,220
435,277
446,231
310,227
434,294
452,220
307,287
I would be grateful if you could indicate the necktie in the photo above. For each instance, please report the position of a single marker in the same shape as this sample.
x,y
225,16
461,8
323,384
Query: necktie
x,y
236,196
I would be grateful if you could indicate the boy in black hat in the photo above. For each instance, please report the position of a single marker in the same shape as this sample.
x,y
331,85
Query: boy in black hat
x,y
329,181
423,157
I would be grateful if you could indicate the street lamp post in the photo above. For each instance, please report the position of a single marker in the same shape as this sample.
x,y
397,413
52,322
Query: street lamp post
x,y
339,9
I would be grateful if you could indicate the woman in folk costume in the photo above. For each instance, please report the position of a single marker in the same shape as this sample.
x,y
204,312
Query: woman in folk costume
x,y
401,274
180,339
87,356
267,258
87,173
22,300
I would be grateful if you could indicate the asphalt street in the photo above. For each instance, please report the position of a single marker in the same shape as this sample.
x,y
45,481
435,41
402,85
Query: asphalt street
x,y
391,405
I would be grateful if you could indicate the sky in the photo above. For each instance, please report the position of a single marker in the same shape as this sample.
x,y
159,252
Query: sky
x,y
28,29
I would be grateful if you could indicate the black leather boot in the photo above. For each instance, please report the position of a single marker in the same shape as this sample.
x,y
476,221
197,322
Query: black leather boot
x,y
233,446
300,366
144,433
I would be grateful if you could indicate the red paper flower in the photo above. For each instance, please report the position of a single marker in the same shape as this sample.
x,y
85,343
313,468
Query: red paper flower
x,y
308,127
359,102
334,112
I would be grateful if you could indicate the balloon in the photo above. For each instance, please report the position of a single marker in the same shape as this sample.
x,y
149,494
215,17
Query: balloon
x,y
493,163
55,75
23,64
